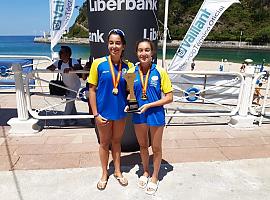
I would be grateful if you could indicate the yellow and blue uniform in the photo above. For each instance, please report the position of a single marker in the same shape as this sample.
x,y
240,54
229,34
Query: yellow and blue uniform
x,y
158,82
109,106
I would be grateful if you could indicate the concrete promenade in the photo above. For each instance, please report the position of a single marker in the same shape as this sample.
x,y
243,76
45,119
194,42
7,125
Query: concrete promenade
x,y
212,161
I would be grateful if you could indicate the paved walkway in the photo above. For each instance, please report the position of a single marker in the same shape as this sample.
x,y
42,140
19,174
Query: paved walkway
x,y
63,163
78,147
229,180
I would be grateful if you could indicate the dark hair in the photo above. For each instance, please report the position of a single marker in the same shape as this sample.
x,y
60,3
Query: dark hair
x,y
66,49
153,48
119,32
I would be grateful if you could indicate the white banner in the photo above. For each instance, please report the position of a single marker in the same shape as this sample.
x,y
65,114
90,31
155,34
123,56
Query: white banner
x,y
60,13
203,23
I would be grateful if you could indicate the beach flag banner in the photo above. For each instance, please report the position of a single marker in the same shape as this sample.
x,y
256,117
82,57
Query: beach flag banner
x,y
7,78
201,26
60,14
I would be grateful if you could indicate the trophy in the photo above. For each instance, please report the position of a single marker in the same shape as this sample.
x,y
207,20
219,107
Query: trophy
x,y
133,105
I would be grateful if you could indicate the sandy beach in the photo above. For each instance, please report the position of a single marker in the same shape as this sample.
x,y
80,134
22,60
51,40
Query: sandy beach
x,y
209,65
200,65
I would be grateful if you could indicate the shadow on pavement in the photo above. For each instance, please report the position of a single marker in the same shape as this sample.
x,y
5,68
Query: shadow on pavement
x,y
129,161
165,168
6,114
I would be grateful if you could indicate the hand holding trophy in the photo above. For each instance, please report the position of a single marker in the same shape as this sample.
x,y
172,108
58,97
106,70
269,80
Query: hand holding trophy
x,y
133,105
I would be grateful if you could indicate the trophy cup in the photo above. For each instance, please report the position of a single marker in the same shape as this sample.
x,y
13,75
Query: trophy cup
x,y
133,105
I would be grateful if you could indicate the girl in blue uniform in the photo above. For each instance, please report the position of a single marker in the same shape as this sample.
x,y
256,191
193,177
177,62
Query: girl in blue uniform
x,y
107,96
150,82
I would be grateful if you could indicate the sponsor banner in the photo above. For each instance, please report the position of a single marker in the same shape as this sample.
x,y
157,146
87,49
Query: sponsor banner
x,y
6,78
60,14
203,23
137,18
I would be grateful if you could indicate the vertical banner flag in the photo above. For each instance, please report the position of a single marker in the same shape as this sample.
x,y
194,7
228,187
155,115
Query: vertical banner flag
x,y
60,14
203,23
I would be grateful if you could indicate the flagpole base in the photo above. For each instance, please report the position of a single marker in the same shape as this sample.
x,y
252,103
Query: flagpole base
x,y
242,122
23,126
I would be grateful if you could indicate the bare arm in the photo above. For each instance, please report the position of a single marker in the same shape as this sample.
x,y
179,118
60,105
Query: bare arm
x,y
51,67
168,98
92,98
77,67
87,69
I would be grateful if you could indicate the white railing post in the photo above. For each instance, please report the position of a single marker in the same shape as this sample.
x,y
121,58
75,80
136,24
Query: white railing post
x,y
20,96
243,119
22,124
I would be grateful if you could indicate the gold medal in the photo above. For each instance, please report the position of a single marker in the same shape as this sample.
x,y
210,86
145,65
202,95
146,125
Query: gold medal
x,y
115,91
144,83
144,97
115,80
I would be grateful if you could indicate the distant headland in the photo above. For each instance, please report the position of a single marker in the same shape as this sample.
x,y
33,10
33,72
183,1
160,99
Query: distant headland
x,y
171,43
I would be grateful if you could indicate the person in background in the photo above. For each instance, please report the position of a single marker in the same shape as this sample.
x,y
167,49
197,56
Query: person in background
x,y
71,80
257,94
150,82
192,67
108,98
242,68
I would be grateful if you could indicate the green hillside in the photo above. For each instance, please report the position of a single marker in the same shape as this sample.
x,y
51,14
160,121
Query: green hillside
x,y
251,17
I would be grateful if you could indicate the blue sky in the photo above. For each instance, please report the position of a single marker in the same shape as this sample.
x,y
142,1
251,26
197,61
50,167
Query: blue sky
x,y
27,17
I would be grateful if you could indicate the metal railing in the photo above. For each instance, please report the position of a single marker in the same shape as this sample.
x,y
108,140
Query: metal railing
x,y
36,112
262,109
37,61
197,93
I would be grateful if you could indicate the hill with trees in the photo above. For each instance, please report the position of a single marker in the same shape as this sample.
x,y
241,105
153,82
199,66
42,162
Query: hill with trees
x,y
251,18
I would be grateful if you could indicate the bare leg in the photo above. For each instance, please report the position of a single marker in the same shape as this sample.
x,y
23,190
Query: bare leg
x,y
156,138
118,130
105,135
141,131
258,100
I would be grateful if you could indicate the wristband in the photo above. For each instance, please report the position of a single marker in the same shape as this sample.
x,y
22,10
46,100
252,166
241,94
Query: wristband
x,y
96,115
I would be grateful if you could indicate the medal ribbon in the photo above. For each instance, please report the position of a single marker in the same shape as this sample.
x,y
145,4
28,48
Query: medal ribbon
x,y
145,82
115,82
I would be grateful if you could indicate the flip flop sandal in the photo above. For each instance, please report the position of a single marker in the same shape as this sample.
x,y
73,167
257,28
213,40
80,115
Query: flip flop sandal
x,y
151,188
122,180
143,180
101,185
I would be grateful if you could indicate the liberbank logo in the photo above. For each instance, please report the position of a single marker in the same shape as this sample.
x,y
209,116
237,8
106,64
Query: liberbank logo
x,y
111,5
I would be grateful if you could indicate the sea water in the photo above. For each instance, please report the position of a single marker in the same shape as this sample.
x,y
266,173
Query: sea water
x,y
25,45
232,55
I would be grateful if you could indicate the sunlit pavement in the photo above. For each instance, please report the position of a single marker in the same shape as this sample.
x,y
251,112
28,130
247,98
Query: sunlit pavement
x,y
199,162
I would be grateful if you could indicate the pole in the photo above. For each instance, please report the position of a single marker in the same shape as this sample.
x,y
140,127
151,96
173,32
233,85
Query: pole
x,y
241,33
22,124
20,95
165,35
244,119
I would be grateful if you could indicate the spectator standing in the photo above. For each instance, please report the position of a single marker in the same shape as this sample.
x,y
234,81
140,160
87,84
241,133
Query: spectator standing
x,y
71,80
192,65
